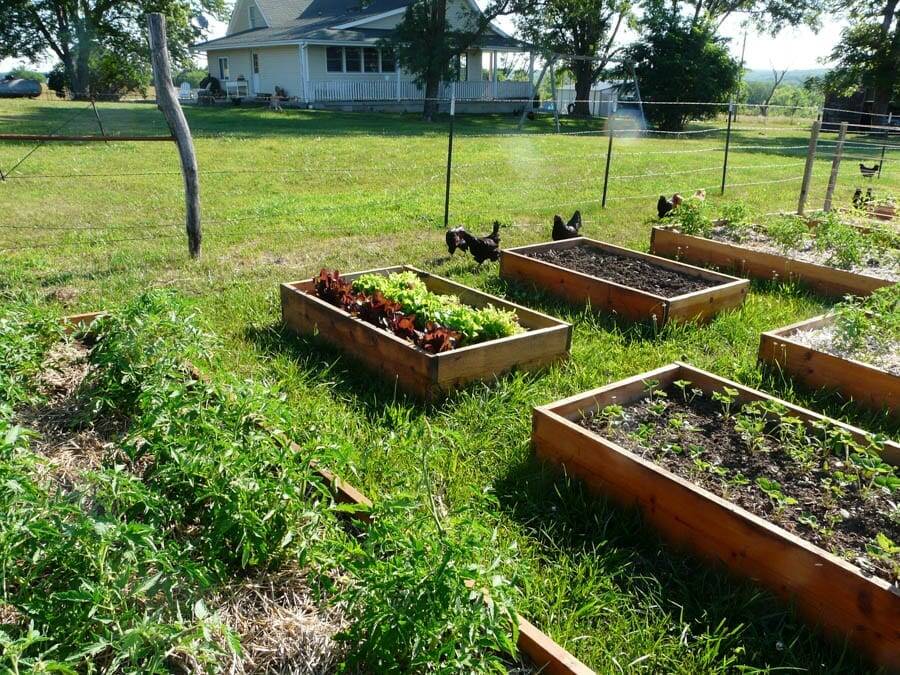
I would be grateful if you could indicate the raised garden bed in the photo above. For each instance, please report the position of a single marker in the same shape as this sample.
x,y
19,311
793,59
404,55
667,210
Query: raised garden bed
x,y
634,285
544,339
542,652
761,264
693,485
791,349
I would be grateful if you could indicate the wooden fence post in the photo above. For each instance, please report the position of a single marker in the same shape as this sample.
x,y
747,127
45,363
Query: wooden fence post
x,y
808,169
835,167
167,100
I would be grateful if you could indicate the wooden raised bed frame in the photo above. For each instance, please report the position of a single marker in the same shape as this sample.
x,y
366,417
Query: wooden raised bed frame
x,y
626,301
427,375
866,384
828,591
548,656
829,281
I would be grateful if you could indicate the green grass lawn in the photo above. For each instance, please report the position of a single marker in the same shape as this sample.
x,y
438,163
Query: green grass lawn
x,y
87,227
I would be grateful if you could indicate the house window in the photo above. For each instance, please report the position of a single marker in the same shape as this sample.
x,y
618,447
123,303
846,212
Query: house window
x,y
353,59
223,67
334,57
255,63
370,59
255,19
388,61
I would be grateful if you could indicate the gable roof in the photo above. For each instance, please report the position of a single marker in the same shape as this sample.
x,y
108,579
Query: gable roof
x,y
292,21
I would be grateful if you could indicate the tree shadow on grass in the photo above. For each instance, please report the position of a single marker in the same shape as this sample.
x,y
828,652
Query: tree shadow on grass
x,y
562,515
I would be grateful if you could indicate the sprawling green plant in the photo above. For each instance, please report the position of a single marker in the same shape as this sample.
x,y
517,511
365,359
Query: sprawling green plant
x,y
475,324
692,217
867,327
788,232
423,599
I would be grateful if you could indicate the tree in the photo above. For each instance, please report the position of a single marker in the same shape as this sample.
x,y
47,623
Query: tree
x,y
90,32
428,45
582,28
868,54
679,60
777,79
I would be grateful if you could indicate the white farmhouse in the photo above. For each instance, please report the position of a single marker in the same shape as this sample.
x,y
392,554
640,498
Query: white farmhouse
x,y
326,53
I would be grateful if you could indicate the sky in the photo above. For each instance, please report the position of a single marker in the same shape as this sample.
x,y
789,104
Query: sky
x,y
792,49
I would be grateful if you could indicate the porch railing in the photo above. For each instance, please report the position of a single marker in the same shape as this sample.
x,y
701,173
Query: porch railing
x,y
406,90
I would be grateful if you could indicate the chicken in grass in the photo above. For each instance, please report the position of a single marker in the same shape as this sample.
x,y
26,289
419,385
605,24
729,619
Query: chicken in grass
x,y
483,248
665,206
455,240
868,171
568,230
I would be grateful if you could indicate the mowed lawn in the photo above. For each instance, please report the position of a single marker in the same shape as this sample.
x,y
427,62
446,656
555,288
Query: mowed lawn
x,y
89,226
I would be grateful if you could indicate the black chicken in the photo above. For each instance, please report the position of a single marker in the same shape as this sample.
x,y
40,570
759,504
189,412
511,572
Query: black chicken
x,y
455,240
568,230
664,206
483,248
868,171
857,198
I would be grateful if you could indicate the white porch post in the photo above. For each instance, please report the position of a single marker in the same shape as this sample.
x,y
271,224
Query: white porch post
x,y
494,74
397,66
531,75
304,71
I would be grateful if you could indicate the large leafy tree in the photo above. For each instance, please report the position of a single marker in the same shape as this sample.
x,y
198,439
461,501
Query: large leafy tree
x,y
868,54
78,31
678,59
586,29
428,43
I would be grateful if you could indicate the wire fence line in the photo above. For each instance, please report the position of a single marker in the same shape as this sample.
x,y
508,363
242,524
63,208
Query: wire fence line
x,y
512,182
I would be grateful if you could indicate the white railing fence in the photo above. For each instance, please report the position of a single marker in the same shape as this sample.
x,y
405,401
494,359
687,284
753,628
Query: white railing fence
x,y
406,90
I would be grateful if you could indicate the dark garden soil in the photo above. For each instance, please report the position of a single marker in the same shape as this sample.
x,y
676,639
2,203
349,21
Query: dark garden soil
x,y
634,272
696,441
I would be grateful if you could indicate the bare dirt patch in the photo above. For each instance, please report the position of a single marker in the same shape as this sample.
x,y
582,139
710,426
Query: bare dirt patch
x,y
67,436
625,270
283,627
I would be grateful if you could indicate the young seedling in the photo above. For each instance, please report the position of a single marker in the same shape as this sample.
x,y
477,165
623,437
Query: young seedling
x,y
683,387
726,397
886,554
772,489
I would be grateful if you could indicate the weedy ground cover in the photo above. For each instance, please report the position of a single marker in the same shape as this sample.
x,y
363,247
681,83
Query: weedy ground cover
x,y
286,194
121,572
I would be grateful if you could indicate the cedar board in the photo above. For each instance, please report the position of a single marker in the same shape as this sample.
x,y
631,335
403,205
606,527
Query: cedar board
x,y
548,656
830,592
626,301
866,384
826,280
545,341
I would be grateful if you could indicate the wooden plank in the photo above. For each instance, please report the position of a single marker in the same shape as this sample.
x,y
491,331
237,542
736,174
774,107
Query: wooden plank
x,y
81,139
420,373
76,322
864,383
761,265
827,590
631,303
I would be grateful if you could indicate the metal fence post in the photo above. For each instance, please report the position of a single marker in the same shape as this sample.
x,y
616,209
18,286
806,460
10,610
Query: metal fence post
x,y
727,145
835,167
610,132
808,169
449,154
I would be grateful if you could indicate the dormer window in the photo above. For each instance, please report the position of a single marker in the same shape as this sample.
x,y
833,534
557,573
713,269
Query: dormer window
x,y
256,20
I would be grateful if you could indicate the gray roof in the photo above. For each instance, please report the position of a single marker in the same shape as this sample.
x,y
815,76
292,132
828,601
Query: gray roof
x,y
314,20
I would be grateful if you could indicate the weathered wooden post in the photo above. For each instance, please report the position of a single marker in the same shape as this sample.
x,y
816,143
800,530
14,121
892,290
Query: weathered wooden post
x,y
835,167
167,100
808,169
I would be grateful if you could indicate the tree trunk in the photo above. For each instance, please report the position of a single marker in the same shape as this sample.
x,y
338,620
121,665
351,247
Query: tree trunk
x,y
432,91
81,77
583,71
